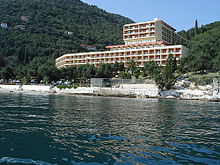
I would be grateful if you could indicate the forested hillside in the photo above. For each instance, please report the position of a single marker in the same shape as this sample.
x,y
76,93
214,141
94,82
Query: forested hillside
x,y
41,30
38,31
204,45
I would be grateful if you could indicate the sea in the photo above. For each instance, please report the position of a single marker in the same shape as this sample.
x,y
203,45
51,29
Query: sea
x,y
45,129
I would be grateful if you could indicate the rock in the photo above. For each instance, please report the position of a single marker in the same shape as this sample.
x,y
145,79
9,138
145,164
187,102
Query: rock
x,y
165,94
170,97
205,88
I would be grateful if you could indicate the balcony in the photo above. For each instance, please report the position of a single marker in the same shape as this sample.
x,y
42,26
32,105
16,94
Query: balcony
x,y
133,27
126,34
144,27
133,32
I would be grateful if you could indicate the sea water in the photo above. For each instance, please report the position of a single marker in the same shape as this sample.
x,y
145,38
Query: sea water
x,y
51,129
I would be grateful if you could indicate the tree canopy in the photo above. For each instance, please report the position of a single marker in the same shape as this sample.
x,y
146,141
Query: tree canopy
x,y
40,31
204,49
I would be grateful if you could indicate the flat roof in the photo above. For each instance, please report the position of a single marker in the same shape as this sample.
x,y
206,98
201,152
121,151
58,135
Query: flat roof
x,y
137,23
165,24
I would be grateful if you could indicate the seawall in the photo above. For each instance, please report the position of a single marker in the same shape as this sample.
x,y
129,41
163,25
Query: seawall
x,y
114,92
130,91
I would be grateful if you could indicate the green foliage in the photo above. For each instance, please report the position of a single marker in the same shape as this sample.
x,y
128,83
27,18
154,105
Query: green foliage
x,y
6,73
124,75
150,69
168,73
83,73
31,52
105,71
204,51
132,66
204,79
164,77
196,27
40,68
137,72
190,34
118,67
46,37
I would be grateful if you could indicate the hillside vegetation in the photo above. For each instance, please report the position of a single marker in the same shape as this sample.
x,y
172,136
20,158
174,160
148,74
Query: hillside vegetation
x,y
204,45
41,30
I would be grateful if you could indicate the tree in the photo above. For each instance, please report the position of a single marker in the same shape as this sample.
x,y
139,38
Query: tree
x,y
201,62
150,68
204,50
131,66
164,78
2,61
116,67
47,38
104,71
121,66
124,75
137,72
196,27
217,63
7,73
168,72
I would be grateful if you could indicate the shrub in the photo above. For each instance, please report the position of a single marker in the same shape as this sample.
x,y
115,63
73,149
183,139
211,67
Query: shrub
x,y
204,79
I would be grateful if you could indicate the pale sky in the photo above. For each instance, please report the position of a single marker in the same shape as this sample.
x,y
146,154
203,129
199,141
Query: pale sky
x,y
180,14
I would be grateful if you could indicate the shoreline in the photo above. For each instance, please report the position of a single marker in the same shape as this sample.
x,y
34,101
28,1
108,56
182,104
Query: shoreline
x,y
153,93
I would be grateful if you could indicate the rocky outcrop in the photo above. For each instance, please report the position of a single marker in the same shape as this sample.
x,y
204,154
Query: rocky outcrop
x,y
188,90
183,90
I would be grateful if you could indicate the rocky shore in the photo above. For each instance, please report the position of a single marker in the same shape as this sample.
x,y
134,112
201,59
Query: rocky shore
x,y
182,90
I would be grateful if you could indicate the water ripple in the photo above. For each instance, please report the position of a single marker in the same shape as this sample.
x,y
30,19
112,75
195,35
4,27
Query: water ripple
x,y
10,160
93,130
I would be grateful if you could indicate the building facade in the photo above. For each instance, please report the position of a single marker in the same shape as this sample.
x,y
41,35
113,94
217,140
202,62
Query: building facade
x,y
151,31
4,25
145,41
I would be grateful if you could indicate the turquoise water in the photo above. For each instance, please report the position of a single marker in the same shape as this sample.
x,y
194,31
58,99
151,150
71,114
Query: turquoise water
x,y
51,129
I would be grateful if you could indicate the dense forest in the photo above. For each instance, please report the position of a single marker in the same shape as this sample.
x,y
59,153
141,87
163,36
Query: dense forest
x,y
39,31
204,46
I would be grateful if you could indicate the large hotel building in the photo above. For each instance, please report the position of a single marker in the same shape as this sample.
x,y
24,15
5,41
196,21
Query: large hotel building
x,y
144,41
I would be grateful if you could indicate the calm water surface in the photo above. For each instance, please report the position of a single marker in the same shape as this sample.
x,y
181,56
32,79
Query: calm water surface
x,y
51,129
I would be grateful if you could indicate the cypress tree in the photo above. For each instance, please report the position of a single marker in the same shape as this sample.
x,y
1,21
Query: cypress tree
x,y
196,27
168,73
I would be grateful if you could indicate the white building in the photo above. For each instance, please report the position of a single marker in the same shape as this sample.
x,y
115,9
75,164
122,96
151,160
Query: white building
x,y
4,25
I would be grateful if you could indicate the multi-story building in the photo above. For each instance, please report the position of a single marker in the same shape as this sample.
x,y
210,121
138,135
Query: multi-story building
x,y
145,41
151,31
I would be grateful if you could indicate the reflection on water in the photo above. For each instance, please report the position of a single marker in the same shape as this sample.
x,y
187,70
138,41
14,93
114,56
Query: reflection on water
x,y
48,129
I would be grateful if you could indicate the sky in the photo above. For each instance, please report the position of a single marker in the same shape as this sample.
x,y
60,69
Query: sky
x,y
180,14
